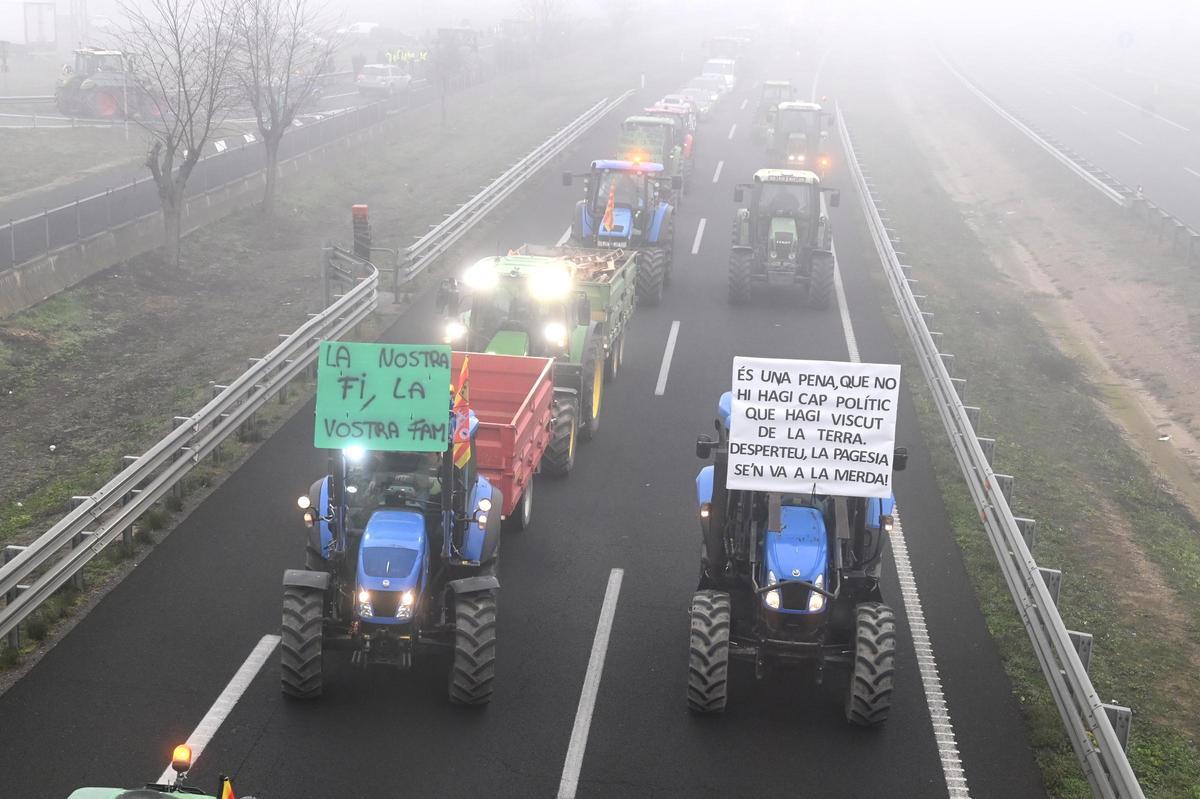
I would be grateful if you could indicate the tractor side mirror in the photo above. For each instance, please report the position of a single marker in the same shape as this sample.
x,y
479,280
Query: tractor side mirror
x,y
738,195
900,459
704,447
568,178
583,308
447,296
676,182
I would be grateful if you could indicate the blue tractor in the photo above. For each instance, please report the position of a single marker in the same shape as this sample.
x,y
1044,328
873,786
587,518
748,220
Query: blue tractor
x,y
401,557
786,580
643,218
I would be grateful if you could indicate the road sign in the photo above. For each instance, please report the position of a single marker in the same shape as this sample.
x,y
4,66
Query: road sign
x,y
825,427
391,397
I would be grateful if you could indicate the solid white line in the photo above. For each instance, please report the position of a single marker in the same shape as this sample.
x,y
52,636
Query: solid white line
x,y
699,236
221,709
931,681
1192,172
591,686
668,354
1134,105
563,238
717,174
1125,135
1080,110
743,108
732,130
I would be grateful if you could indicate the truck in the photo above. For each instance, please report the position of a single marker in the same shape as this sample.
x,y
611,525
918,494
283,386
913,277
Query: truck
x,y
567,302
628,205
403,535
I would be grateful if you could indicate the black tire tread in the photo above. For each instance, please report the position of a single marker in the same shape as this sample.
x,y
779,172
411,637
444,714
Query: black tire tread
x,y
869,695
708,652
301,642
651,273
739,277
473,667
558,460
820,286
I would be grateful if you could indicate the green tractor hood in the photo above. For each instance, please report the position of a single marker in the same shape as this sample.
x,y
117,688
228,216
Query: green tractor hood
x,y
509,342
783,225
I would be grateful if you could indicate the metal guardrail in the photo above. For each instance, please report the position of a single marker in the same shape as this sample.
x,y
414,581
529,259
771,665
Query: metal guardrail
x,y
1085,717
36,571
443,235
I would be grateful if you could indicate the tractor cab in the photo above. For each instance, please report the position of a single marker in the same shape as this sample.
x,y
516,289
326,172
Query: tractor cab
x,y
638,192
653,137
797,138
682,112
518,305
99,84
89,61
771,94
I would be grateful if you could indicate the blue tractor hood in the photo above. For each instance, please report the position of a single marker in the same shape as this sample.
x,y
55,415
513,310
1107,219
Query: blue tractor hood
x,y
799,551
622,224
392,552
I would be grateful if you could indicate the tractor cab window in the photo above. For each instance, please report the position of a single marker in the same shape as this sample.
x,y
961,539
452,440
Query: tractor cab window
x,y
392,480
792,120
629,191
100,63
785,199
510,306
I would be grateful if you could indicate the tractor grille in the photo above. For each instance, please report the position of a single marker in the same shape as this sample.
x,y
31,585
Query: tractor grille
x,y
385,603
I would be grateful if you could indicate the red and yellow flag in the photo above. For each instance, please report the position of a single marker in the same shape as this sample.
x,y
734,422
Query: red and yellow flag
x,y
226,791
462,417
607,222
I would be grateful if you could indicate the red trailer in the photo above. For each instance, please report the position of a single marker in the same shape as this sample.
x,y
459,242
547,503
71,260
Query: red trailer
x,y
512,397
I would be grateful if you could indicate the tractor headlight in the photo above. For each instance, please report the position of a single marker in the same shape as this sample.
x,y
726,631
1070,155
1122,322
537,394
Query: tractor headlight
x,y
555,333
886,522
773,254
355,453
455,331
365,608
481,276
772,597
404,610
816,601
485,504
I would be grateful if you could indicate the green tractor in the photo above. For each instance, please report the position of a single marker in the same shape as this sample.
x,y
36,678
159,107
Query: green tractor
x,y
784,237
100,85
773,92
658,139
566,303
797,140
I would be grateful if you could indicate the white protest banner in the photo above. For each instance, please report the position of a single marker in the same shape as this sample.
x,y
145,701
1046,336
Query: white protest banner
x,y
799,427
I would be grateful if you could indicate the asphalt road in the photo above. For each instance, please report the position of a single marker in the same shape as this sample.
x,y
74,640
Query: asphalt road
x,y
144,667
1142,131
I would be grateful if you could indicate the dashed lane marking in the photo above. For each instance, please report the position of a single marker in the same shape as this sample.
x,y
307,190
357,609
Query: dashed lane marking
x,y
699,237
1125,135
732,130
563,238
668,354
717,174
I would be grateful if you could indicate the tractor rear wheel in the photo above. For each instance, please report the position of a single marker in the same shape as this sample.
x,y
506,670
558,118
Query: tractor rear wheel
x,y
612,364
559,457
313,561
668,247
473,667
651,273
593,389
708,653
301,645
820,284
739,277
869,695
523,513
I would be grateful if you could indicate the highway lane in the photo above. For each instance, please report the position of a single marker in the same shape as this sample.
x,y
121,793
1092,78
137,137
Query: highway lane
x,y
175,631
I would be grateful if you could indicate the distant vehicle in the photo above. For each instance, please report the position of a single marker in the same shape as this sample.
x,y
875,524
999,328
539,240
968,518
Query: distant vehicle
x,y
99,84
725,68
681,99
382,79
701,99
715,85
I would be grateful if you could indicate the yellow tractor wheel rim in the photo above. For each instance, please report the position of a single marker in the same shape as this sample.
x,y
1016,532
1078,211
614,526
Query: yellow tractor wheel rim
x,y
597,388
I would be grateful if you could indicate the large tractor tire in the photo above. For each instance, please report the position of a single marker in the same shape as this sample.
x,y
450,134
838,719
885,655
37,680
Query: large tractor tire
x,y
473,667
302,644
820,285
593,390
612,363
313,561
708,653
651,274
522,514
668,248
739,277
559,458
869,695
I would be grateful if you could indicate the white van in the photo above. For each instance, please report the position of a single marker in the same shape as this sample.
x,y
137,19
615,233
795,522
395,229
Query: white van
x,y
725,68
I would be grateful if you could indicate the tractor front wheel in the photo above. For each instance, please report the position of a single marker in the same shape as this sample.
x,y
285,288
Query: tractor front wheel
x,y
523,513
820,283
708,653
739,277
612,364
473,667
869,695
559,457
593,390
651,273
302,644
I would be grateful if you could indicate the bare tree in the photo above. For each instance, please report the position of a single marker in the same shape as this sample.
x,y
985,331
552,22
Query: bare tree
x,y
180,53
283,47
548,17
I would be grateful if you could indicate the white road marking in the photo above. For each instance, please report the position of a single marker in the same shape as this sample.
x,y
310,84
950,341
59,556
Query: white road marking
x,y
732,130
717,174
1080,110
743,107
563,238
338,96
931,681
668,354
1125,135
699,236
1134,105
221,709
1192,172
569,782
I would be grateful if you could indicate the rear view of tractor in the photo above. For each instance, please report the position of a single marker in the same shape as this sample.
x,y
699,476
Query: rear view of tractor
x,y
658,138
773,92
797,140
99,85
789,580
628,205
784,237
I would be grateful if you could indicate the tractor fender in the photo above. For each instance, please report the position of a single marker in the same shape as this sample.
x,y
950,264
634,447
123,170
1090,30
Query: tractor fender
x,y
482,545
302,578
568,377
581,338
659,223
473,585
704,485
581,227
741,228
320,536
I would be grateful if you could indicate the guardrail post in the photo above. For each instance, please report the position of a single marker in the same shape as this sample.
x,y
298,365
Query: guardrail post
x,y
1083,647
1028,528
960,388
1006,483
14,635
936,335
1053,580
1121,719
947,361
973,415
988,445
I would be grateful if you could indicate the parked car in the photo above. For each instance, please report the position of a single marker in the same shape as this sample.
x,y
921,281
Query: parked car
x,y
382,79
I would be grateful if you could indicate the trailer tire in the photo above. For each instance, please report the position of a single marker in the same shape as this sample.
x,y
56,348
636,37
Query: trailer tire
x,y
593,390
301,644
650,276
708,652
820,284
869,695
559,458
616,354
523,513
739,277
473,664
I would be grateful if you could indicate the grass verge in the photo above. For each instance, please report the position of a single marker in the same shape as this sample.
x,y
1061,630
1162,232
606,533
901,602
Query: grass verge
x,y
50,155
